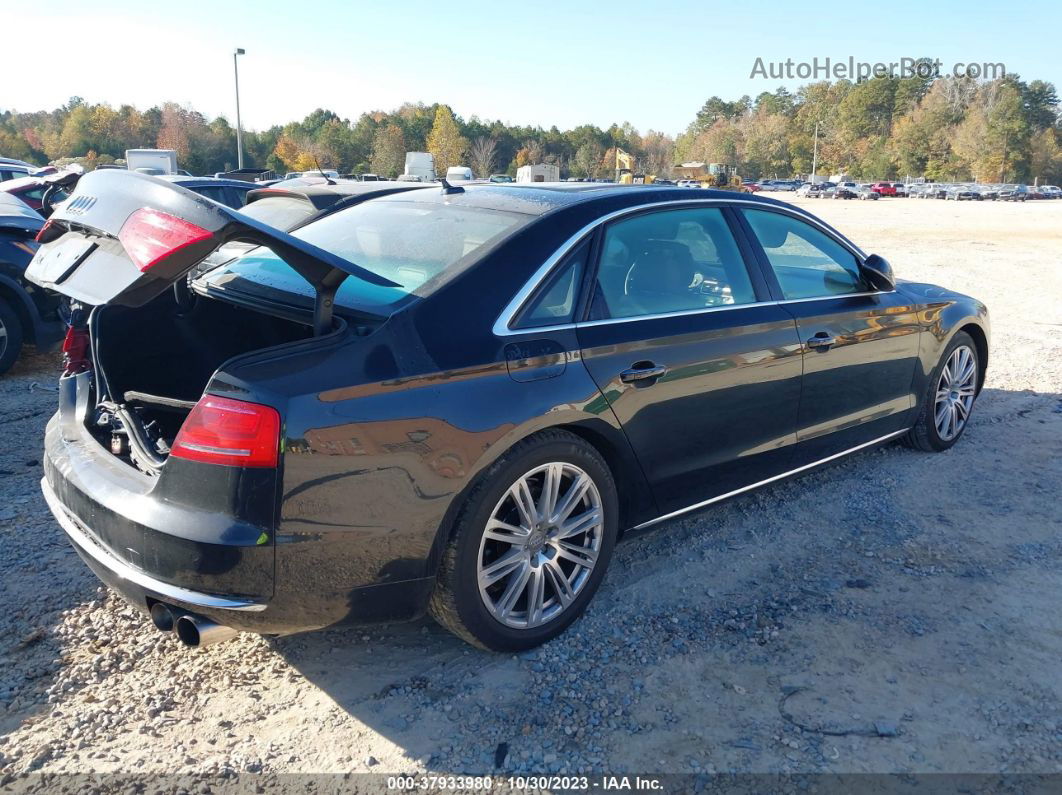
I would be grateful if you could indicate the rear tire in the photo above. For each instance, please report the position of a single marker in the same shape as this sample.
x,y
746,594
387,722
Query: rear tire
x,y
550,568
10,336
949,398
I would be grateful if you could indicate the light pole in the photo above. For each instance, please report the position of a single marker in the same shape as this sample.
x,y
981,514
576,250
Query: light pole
x,y
814,156
239,132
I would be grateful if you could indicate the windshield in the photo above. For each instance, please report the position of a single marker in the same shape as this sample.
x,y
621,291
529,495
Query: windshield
x,y
419,246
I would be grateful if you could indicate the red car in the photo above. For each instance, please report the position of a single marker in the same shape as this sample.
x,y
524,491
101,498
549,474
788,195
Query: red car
x,y
29,189
750,187
884,188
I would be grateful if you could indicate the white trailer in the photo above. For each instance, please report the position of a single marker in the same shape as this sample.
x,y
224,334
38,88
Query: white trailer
x,y
541,172
420,164
162,161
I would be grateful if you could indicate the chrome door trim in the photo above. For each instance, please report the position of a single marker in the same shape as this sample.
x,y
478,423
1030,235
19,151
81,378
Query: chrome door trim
x,y
766,481
502,326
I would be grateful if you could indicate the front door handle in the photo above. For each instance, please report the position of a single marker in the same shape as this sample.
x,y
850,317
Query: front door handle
x,y
643,373
822,341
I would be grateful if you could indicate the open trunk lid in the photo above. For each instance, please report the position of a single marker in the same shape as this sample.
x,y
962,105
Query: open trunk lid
x,y
124,237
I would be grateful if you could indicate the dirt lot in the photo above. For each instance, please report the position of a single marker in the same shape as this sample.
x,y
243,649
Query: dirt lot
x,y
897,612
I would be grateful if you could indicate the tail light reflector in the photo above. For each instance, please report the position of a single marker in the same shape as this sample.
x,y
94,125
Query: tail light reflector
x,y
150,236
230,432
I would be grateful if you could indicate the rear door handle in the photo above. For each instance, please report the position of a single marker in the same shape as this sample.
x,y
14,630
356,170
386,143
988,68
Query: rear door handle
x,y
822,341
642,372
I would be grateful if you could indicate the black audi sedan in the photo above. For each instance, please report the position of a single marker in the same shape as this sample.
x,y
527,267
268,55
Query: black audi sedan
x,y
455,400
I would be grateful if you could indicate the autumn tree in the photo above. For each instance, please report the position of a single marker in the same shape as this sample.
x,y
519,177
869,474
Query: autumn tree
x,y
445,141
388,151
482,156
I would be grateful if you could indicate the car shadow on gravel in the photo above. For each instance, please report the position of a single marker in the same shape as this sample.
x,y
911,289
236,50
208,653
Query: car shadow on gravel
x,y
834,622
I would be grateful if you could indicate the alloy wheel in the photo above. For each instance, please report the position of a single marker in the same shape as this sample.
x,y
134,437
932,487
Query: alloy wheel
x,y
540,545
955,393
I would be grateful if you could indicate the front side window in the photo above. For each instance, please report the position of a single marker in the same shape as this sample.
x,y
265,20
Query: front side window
x,y
807,262
669,261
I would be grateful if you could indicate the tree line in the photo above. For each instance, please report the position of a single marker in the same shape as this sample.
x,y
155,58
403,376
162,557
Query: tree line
x,y
881,128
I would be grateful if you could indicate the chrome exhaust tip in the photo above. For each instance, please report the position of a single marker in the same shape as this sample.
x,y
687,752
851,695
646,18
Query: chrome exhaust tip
x,y
162,617
196,631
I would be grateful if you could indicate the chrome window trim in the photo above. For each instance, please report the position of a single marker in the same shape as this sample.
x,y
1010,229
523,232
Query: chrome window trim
x,y
502,326
766,481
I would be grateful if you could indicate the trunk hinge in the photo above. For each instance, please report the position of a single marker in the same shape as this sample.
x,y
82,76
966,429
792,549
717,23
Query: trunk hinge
x,y
324,301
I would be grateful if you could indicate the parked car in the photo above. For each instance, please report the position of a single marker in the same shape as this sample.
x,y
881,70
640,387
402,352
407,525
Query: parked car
x,y
963,193
1051,191
883,188
901,189
502,178
10,171
230,192
750,187
27,313
454,400
865,193
30,190
845,190
816,190
1034,193
1013,193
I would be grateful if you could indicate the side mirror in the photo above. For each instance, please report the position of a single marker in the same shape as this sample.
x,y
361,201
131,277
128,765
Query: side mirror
x,y
879,272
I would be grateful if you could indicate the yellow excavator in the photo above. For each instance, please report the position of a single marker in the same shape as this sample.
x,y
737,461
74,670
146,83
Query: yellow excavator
x,y
625,170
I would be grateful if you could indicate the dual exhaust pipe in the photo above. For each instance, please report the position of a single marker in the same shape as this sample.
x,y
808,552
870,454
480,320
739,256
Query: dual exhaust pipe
x,y
192,630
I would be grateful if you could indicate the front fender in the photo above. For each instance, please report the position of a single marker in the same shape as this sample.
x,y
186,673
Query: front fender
x,y
943,313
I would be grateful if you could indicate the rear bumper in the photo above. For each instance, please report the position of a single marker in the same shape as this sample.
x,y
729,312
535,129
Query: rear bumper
x,y
125,577
147,547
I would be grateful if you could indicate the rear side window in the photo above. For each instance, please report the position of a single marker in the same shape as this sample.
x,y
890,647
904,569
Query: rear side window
x,y
555,303
669,261
807,262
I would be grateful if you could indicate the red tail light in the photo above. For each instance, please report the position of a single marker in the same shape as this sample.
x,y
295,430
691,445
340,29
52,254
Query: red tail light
x,y
149,236
75,351
232,432
44,232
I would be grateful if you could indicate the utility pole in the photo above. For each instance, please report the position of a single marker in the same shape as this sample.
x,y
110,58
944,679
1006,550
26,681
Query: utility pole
x,y
815,154
239,130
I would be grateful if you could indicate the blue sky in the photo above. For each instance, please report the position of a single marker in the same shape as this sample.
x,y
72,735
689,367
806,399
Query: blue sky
x,y
565,63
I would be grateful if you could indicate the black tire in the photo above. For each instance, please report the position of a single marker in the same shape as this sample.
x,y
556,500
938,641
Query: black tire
x,y
10,336
456,602
924,435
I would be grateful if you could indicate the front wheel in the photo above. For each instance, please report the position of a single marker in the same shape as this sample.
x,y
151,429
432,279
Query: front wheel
x,y
949,400
531,545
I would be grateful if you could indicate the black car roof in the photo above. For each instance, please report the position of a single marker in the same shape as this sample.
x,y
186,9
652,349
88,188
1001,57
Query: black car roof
x,y
187,182
541,198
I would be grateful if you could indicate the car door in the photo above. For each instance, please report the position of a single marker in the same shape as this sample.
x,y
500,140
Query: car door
x,y
700,368
860,343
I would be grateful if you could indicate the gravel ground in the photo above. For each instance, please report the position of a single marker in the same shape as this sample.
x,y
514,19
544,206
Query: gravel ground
x,y
897,612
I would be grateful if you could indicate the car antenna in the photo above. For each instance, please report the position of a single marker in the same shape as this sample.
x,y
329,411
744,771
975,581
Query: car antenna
x,y
447,188
328,179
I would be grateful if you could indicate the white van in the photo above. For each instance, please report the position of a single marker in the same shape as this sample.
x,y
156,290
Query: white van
x,y
458,173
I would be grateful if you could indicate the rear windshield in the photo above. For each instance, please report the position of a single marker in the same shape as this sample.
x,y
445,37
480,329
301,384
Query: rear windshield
x,y
280,212
420,246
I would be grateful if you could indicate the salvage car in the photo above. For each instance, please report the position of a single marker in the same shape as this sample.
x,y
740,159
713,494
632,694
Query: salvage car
x,y
455,400
27,313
